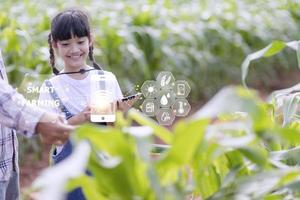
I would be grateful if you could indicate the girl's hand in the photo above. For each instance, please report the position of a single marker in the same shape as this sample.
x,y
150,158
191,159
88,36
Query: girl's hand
x,y
82,117
126,105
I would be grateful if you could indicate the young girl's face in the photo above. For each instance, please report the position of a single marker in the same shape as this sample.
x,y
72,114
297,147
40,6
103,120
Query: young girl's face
x,y
74,52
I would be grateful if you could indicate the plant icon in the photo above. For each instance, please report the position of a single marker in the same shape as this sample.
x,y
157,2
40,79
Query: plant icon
x,y
165,98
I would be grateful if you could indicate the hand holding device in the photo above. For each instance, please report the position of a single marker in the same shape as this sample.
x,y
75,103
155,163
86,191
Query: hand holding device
x,y
126,103
132,97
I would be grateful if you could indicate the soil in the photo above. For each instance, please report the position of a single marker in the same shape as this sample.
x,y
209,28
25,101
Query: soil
x,y
32,166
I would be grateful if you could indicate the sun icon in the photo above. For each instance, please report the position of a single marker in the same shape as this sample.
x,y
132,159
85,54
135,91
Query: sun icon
x,y
149,89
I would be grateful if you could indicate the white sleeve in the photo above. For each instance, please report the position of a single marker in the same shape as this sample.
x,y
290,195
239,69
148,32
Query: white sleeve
x,y
15,113
2,69
46,101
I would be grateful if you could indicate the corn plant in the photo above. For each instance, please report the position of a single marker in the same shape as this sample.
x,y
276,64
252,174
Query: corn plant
x,y
195,40
243,154
286,100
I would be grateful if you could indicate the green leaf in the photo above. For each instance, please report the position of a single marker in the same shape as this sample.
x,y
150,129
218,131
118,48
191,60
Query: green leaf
x,y
272,49
274,197
109,144
298,54
84,181
186,141
190,133
258,156
290,156
158,130
290,108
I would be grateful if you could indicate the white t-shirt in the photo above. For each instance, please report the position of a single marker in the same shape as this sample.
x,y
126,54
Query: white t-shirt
x,y
75,94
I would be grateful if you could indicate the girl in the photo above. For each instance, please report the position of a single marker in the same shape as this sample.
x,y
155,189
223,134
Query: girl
x,y
71,40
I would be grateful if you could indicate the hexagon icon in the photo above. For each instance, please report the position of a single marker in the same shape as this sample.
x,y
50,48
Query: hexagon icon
x,y
165,116
181,107
165,80
149,89
165,98
182,89
149,107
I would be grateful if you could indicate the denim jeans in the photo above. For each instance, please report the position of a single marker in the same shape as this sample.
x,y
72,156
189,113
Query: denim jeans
x,y
77,193
9,190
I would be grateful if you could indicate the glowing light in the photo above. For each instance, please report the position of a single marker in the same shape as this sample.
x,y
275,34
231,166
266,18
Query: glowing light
x,y
102,103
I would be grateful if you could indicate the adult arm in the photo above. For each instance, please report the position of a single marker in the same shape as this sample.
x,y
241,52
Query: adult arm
x,y
16,114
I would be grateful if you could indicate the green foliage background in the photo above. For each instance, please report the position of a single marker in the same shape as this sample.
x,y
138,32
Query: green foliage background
x,y
202,41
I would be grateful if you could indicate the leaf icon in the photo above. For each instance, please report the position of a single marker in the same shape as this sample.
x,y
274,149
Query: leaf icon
x,y
168,80
163,81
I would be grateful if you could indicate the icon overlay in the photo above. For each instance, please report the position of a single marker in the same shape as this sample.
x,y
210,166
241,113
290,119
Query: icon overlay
x,y
165,98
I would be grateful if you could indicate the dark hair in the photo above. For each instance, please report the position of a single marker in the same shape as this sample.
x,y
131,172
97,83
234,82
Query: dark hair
x,y
71,22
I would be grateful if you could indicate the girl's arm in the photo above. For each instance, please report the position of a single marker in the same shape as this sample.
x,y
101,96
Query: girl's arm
x,y
80,118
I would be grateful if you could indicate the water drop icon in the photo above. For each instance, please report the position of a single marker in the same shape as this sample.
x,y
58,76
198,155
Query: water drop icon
x,y
164,100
